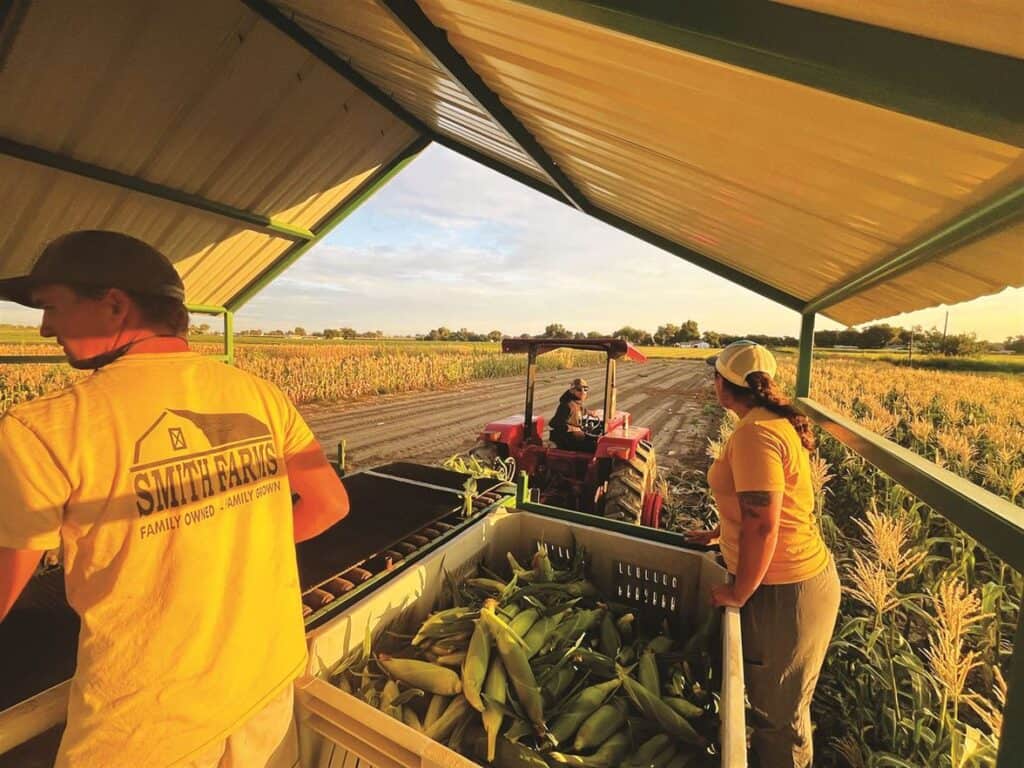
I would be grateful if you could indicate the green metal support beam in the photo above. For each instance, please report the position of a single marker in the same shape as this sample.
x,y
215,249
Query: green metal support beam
x,y
411,16
88,170
803,370
1000,212
964,88
229,327
366,190
993,521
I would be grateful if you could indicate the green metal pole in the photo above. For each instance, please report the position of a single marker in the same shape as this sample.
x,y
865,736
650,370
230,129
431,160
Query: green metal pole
x,y
229,336
1011,740
803,371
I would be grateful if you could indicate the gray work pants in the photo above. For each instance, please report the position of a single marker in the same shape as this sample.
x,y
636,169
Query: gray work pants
x,y
786,631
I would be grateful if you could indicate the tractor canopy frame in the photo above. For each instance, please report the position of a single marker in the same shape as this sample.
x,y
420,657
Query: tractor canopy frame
x,y
614,350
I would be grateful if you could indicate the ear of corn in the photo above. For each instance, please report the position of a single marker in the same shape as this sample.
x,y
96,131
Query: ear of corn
x,y
646,752
610,754
474,666
517,666
495,690
611,640
422,674
453,713
580,708
655,709
606,720
524,621
683,707
647,671
435,709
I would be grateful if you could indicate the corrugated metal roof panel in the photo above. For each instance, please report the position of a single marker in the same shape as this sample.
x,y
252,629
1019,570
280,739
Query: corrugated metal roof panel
x,y
982,267
990,25
365,34
201,97
205,248
801,188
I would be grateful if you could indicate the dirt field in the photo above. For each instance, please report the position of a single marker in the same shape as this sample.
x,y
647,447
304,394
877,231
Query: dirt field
x,y
670,396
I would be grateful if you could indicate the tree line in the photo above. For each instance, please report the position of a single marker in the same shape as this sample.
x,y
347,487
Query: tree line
x,y
877,336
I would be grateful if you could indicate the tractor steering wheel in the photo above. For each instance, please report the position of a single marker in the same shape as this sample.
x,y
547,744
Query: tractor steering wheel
x,y
592,426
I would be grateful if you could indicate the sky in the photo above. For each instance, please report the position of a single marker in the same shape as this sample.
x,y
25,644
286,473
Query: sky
x,y
450,243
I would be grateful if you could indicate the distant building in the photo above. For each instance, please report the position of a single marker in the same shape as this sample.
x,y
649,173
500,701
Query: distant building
x,y
693,345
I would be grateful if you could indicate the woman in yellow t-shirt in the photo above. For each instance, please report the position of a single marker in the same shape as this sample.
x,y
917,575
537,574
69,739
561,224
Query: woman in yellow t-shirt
x,y
785,581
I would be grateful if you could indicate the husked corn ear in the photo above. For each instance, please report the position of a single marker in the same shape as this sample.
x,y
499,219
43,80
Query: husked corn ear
x,y
422,674
610,754
474,666
606,719
496,692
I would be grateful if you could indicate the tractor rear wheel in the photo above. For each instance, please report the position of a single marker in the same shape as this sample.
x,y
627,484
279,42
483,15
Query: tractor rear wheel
x,y
629,483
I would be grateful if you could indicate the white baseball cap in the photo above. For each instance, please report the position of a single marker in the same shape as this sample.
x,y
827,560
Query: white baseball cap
x,y
740,359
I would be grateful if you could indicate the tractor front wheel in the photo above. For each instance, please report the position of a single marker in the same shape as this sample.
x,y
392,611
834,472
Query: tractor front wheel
x,y
630,483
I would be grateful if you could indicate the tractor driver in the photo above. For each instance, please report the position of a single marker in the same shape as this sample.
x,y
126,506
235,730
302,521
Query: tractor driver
x,y
168,477
566,425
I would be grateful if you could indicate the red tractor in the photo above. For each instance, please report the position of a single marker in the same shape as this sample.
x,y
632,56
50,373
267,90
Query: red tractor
x,y
617,480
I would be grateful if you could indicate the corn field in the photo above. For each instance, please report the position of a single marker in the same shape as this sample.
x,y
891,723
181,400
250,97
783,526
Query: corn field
x,y
319,373
916,672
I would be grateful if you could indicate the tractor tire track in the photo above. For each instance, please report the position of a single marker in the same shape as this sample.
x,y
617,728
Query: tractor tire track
x,y
670,396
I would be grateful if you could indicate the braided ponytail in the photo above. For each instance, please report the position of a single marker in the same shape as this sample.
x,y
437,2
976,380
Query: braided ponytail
x,y
765,394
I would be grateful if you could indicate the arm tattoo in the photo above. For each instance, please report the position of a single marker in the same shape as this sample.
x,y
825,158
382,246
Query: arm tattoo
x,y
752,503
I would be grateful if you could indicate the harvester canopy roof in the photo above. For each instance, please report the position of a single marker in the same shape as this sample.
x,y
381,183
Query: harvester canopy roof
x,y
613,348
858,159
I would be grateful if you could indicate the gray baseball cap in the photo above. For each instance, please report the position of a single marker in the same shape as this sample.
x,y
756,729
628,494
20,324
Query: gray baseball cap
x,y
99,258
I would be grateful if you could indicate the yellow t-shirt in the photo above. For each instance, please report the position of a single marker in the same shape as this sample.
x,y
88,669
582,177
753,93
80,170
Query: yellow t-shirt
x,y
764,453
164,477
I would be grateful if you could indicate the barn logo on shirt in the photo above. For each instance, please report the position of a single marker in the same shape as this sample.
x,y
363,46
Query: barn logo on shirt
x,y
185,458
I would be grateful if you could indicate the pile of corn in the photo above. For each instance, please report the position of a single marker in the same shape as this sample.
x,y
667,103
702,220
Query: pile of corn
x,y
540,672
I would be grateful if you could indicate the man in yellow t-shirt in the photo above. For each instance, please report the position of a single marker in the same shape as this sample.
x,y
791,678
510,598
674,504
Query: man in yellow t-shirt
x,y
168,479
